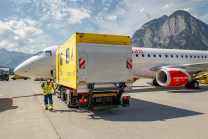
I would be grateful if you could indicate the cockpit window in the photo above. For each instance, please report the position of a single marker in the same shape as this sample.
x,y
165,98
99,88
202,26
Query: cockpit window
x,y
47,53
38,54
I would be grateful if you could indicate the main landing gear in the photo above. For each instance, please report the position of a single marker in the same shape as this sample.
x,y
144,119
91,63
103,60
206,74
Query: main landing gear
x,y
193,84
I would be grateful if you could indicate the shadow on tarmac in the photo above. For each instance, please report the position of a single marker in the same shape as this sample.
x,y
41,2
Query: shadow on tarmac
x,y
7,105
141,110
179,89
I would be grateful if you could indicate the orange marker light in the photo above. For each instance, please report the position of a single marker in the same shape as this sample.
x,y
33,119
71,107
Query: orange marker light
x,y
83,100
126,97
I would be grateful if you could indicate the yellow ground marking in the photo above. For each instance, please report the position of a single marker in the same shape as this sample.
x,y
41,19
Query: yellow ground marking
x,y
1,95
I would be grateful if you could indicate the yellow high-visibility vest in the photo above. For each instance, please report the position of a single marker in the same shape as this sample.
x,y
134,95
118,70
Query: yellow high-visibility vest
x,y
47,88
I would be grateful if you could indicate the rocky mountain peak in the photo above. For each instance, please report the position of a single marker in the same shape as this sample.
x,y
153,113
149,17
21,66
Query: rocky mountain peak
x,y
179,31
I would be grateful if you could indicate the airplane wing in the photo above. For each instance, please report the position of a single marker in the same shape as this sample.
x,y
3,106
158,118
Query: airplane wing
x,y
192,68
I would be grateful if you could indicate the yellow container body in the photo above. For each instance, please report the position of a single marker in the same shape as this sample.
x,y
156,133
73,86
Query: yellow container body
x,y
66,73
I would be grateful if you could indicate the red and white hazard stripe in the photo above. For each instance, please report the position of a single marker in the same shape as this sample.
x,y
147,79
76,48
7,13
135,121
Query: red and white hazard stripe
x,y
129,63
82,63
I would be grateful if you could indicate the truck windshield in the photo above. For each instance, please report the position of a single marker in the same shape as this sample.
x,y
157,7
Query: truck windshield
x,y
38,54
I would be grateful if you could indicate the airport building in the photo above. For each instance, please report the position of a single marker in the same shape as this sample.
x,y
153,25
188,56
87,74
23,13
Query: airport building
x,y
5,70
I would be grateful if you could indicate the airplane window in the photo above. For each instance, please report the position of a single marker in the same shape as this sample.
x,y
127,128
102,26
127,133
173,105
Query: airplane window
x,y
176,56
181,56
154,55
142,55
202,56
67,55
38,54
160,56
136,55
186,56
194,56
148,55
171,56
205,56
166,55
198,56
190,56
47,53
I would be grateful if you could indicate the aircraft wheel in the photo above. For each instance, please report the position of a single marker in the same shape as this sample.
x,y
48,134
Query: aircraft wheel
x,y
195,84
187,85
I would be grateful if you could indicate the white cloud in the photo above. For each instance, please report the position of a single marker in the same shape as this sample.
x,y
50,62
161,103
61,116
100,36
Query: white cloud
x,y
77,15
187,9
111,17
168,6
32,51
145,13
18,33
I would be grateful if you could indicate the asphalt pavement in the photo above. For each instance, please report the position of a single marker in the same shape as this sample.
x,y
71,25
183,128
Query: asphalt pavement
x,y
155,113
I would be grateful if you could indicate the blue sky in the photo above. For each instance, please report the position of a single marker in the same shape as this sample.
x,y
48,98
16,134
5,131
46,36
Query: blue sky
x,y
32,25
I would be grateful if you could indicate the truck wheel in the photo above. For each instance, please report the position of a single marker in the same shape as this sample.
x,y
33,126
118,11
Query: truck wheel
x,y
67,101
14,78
25,78
59,95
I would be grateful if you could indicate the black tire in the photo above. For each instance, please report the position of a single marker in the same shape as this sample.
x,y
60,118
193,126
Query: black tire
x,y
59,95
14,78
195,84
187,85
25,78
67,101
154,82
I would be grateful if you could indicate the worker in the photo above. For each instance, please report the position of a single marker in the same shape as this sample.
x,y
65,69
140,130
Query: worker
x,y
47,92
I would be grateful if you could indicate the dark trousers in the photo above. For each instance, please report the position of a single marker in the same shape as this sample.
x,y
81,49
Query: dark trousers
x,y
46,98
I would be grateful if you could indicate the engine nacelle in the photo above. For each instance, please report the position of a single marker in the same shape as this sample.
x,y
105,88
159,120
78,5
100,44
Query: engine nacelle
x,y
172,77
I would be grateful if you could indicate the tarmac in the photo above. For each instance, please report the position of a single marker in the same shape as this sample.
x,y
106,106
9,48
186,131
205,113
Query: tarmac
x,y
155,113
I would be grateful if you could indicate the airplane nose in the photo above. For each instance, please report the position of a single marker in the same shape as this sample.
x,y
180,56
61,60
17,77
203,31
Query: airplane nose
x,y
21,69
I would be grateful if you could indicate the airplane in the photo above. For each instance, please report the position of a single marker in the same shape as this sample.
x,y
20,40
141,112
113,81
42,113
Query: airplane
x,y
168,67
39,65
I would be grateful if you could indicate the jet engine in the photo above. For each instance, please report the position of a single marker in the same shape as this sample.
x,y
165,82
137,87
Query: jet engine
x,y
172,77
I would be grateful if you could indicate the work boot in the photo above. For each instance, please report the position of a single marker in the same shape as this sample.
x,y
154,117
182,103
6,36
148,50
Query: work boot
x,y
51,109
46,108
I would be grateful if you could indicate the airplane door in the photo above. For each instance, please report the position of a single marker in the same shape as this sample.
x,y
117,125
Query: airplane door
x,y
166,57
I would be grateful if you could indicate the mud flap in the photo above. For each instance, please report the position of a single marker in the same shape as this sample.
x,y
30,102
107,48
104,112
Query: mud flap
x,y
125,101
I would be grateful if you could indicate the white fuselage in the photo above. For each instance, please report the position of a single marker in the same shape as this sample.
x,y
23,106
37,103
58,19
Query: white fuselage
x,y
143,61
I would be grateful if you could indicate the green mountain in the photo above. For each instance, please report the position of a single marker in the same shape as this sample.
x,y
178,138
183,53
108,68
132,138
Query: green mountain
x,y
178,31
12,58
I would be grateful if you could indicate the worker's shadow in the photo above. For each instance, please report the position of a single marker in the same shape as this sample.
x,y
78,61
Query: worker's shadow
x,y
7,104
141,110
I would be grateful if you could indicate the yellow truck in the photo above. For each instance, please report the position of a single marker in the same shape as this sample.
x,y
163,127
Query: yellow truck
x,y
93,71
203,79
